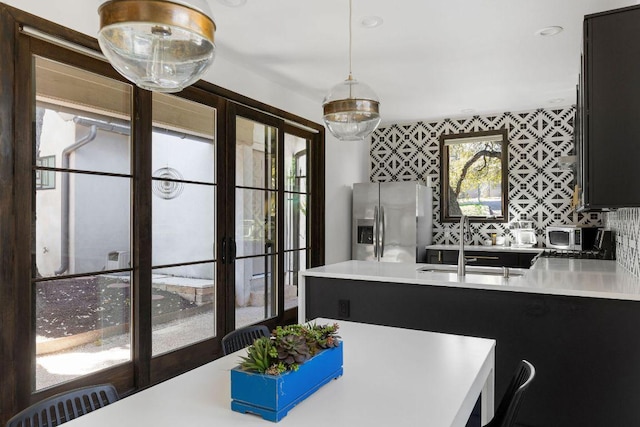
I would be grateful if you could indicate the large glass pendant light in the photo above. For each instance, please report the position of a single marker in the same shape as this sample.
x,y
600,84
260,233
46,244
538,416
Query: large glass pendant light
x,y
160,45
351,108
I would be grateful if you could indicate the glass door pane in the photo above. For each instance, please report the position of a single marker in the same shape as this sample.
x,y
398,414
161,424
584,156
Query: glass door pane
x,y
82,223
256,219
297,199
184,190
296,224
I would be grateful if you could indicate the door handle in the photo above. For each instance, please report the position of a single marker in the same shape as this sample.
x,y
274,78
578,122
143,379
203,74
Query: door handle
x,y
223,250
228,251
232,250
382,227
375,231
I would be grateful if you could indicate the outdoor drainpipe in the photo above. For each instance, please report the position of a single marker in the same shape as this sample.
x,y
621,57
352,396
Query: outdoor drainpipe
x,y
64,217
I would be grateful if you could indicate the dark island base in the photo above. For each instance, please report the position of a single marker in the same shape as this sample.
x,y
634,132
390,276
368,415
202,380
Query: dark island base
x,y
586,350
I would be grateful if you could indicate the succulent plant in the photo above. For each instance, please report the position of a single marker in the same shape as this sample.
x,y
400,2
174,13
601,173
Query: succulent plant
x,y
288,347
260,356
292,349
322,336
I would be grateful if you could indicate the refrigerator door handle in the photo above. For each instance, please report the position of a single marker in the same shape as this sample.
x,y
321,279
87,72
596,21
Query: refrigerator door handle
x,y
382,227
375,232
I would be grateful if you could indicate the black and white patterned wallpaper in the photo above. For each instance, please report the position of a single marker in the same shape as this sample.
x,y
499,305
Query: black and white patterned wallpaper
x,y
626,223
539,190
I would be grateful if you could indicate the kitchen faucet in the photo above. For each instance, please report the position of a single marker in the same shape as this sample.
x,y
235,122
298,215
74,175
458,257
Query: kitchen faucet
x,y
465,234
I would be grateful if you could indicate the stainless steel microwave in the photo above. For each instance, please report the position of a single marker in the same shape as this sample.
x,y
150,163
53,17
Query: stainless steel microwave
x,y
570,237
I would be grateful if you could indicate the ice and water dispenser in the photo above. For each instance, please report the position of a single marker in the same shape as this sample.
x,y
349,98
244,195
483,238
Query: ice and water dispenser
x,y
365,232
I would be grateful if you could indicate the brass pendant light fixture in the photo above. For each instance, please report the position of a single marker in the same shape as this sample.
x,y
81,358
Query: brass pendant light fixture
x,y
160,45
351,108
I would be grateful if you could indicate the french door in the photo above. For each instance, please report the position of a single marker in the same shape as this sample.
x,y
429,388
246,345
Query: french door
x,y
171,228
126,278
267,206
139,228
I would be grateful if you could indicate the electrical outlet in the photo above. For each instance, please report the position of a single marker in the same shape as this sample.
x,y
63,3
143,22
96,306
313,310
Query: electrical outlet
x,y
343,308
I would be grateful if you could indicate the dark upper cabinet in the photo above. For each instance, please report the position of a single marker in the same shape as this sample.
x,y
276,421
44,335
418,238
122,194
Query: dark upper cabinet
x,y
608,112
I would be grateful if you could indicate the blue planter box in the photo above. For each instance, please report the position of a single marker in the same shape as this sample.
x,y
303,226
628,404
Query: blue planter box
x,y
272,396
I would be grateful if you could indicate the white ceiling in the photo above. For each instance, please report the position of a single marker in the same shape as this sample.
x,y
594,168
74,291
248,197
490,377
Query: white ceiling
x,y
429,59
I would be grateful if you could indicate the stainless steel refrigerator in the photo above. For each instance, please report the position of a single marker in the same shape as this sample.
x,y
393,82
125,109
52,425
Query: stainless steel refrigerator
x,y
392,221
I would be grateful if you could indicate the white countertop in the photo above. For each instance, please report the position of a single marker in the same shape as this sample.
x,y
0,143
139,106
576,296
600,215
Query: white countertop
x,y
488,248
573,277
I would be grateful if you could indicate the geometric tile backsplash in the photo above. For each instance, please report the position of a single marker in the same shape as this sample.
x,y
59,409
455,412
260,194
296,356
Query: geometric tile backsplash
x,y
626,223
539,190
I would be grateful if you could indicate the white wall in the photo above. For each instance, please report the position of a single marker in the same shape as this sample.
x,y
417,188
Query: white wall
x,y
346,163
99,207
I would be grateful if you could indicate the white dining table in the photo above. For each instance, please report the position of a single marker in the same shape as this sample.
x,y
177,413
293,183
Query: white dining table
x,y
392,377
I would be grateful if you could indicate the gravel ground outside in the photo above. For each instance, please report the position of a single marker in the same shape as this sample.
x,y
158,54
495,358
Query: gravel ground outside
x,y
71,306
58,367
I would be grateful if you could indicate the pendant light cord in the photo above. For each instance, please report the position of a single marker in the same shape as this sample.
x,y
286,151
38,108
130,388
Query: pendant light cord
x,y
350,37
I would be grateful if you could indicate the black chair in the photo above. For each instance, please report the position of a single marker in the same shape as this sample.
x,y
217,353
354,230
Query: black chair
x,y
507,411
243,337
64,407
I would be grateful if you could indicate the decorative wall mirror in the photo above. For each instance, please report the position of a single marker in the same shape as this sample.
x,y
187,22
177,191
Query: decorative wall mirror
x,y
474,176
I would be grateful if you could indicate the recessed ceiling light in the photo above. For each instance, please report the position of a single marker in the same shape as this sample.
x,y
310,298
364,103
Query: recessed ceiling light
x,y
556,100
549,31
371,21
233,3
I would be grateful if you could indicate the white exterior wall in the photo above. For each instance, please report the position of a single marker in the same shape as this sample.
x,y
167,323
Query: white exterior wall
x,y
100,206
183,227
100,209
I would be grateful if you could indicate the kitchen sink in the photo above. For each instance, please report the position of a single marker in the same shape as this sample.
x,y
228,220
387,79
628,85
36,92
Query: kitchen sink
x,y
472,270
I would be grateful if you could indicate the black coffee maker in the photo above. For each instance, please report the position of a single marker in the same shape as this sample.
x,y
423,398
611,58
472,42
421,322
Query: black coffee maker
x,y
605,244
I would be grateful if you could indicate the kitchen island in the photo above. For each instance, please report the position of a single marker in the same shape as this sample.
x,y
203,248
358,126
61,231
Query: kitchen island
x,y
573,319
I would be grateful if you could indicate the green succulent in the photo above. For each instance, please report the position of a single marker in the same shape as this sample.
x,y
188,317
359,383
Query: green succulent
x,y
295,329
322,336
260,356
288,347
292,349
